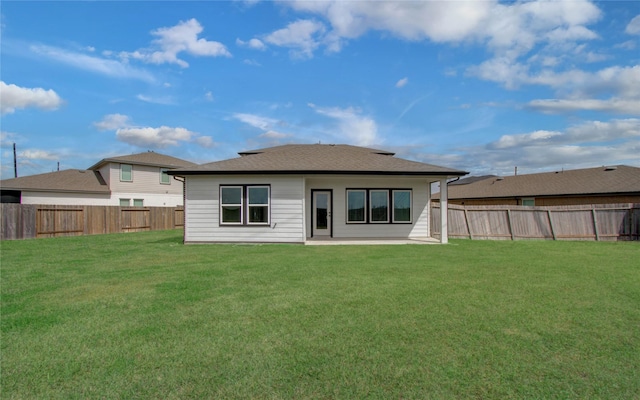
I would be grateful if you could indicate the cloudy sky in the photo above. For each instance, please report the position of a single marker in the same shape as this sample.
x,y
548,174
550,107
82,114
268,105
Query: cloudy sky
x,y
482,86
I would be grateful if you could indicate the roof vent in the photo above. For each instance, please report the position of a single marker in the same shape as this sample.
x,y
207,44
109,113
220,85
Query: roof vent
x,y
500,178
610,168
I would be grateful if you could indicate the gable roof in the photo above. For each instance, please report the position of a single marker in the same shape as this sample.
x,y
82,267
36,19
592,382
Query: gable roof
x,y
601,180
70,180
318,159
148,158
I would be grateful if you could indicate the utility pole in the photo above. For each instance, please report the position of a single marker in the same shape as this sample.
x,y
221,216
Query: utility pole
x,y
15,162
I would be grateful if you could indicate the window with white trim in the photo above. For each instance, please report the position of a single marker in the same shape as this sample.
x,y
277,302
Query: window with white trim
x,y
138,202
125,202
245,205
401,200
356,206
379,206
164,176
126,172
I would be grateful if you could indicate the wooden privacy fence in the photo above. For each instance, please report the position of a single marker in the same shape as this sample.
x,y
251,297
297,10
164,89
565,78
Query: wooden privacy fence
x,y
25,221
579,222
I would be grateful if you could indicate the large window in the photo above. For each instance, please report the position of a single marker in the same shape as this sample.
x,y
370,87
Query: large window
x,y
244,205
401,206
126,172
379,206
356,206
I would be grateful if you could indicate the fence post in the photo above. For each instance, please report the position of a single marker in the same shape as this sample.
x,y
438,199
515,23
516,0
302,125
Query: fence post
x,y
595,223
466,220
513,235
553,231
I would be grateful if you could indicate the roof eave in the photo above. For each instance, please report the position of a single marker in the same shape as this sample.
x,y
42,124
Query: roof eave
x,y
318,172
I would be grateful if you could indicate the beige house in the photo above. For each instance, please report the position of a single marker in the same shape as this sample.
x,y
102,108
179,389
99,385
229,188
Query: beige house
x,y
600,185
132,180
298,193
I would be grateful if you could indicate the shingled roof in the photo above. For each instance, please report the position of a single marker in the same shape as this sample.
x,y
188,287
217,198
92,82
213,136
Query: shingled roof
x,y
619,179
318,159
149,158
70,180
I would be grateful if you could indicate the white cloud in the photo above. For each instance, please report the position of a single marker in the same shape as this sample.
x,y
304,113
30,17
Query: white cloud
x,y
252,62
171,41
112,68
205,141
351,125
112,122
274,135
14,97
254,43
633,28
33,154
302,37
208,96
161,137
613,105
402,82
256,121
165,100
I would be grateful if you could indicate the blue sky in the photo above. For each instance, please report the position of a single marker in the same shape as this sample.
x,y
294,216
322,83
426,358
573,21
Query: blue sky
x,y
482,86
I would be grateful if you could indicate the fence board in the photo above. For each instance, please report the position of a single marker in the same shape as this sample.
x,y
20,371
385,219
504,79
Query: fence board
x,y
24,221
579,222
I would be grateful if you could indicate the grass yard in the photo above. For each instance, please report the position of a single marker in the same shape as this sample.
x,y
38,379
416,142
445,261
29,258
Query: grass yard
x,y
140,315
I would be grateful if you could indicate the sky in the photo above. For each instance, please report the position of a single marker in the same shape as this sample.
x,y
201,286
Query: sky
x,y
481,86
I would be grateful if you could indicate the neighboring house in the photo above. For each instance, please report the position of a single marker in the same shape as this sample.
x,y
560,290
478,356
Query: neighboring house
x,y
133,180
294,193
601,185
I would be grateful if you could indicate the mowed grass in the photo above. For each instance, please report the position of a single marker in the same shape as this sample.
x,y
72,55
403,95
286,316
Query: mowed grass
x,y
136,316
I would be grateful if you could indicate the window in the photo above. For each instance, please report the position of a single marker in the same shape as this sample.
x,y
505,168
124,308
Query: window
x,y
529,202
379,206
138,202
164,177
231,204
258,204
244,205
125,202
356,206
126,172
402,206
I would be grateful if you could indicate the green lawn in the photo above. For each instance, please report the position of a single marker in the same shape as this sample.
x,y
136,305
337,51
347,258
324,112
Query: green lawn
x,y
140,315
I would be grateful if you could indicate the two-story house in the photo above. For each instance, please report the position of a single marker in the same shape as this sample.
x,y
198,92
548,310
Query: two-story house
x,y
133,180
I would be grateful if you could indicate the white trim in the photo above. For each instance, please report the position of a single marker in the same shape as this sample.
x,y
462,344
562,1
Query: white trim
x,y
268,204
386,221
241,204
393,206
365,210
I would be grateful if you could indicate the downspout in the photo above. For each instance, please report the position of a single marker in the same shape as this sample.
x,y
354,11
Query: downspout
x,y
184,207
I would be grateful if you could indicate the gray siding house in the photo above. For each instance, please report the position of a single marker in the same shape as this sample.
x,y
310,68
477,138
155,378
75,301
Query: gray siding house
x,y
298,193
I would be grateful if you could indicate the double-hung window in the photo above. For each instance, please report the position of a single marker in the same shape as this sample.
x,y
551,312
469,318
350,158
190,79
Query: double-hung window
x,y
244,205
126,172
379,206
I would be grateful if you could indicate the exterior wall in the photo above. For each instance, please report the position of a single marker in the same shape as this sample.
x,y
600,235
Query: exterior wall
x,y
419,227
71,199
202,210
145,185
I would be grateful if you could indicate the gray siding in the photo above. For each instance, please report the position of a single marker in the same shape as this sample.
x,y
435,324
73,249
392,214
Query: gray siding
x,y
202,211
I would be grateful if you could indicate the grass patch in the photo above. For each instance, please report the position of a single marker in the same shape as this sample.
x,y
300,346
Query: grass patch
x,y
143,316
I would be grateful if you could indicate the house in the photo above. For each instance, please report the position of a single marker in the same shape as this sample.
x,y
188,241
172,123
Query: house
x,y
600,185
295,193
132,180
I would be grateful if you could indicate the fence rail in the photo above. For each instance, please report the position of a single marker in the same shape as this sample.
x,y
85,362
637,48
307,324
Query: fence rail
x,y
26,221
579,222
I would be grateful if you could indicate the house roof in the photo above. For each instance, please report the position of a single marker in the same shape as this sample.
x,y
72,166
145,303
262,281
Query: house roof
x,y
149,158
70,180
318,159
590,181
